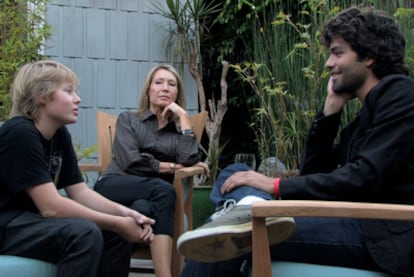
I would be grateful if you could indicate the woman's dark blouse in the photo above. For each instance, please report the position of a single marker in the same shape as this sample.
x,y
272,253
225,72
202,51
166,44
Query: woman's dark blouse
x,y
139,146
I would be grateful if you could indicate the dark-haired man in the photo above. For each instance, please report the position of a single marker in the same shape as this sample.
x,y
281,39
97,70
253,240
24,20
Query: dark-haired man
x,y
373,160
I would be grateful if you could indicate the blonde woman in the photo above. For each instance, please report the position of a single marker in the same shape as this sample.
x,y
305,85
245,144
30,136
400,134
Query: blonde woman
x,y
149,145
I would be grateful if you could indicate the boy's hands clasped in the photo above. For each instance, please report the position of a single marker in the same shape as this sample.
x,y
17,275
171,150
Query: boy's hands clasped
x,y
133,232
136,227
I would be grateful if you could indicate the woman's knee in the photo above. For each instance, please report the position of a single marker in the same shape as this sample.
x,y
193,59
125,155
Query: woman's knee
x,y
166,191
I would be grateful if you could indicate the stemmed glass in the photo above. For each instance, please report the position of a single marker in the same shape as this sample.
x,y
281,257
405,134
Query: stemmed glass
x,y
247,158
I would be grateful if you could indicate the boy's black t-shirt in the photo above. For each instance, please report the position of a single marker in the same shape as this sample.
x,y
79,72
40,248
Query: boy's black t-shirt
x,y
27,159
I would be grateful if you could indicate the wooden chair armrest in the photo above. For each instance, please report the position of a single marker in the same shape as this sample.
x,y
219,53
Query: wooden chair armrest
x,y
188,171
333,209
299,208
90,167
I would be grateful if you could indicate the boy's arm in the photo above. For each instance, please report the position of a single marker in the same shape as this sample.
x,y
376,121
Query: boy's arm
x,y
51,204
82,194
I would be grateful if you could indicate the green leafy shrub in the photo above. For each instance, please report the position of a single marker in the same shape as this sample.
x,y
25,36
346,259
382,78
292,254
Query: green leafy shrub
x,y
22,33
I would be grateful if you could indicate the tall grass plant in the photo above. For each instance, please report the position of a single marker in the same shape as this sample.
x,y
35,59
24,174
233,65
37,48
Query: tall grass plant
x,y
286,69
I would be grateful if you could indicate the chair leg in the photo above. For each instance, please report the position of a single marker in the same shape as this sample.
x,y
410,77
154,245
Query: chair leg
x,y
260,243
183,208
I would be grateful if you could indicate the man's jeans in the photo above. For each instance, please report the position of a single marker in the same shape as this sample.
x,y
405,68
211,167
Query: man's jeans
x,y
218,199
331,241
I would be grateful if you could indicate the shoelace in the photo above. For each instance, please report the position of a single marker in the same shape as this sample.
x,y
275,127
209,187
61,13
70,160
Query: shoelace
x,y
227,206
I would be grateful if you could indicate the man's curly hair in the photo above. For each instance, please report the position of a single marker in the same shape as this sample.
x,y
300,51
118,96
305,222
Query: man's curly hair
x,y
370,33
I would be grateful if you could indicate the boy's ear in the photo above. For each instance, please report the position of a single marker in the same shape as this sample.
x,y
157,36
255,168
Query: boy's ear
x,y
41,100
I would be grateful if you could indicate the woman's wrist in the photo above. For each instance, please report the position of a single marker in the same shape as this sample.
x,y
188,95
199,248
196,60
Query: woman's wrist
x,y
187,132
172,167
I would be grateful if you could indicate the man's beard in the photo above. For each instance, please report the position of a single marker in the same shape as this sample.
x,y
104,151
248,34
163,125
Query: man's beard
x,y
349,83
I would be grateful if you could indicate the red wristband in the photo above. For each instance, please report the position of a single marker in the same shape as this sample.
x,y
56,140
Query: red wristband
x,y
276,188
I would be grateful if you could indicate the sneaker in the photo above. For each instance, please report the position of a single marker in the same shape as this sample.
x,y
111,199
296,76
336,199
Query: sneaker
x,y
230,236
227,206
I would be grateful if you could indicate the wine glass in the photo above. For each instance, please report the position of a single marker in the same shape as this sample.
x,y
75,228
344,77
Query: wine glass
x,y
271,167
247,158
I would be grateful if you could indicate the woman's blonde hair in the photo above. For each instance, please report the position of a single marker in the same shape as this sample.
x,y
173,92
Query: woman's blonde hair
x,y
144,100
35,81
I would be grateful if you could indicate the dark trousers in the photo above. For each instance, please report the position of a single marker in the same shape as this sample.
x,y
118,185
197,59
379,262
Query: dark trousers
x,y
329,241
77,246
151,196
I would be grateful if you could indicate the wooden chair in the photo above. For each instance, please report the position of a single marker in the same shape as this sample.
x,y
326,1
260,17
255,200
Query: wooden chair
x,y
183,181
262,265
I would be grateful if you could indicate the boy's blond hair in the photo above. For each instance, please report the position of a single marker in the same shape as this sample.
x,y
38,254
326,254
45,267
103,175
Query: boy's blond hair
x,y
35,81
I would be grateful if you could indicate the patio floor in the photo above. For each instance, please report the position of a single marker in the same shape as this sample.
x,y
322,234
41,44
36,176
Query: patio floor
x,y
141,264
